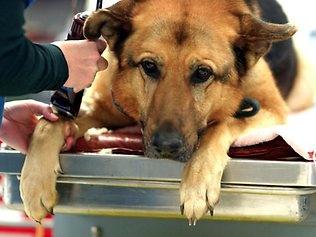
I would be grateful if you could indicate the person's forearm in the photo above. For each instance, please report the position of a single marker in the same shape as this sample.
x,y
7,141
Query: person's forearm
x,y
31,68
26,67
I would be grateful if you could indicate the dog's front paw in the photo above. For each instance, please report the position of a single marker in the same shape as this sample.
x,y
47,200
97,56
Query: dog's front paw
x,y
199,190
38,190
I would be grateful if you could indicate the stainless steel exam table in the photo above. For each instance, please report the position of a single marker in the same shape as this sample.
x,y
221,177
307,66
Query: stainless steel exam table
x,y
135,186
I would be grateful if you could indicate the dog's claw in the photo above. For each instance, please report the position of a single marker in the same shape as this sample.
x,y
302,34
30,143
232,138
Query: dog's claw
x,y
194,222
51,211
211,209
39,222
190,221
212,212
182,209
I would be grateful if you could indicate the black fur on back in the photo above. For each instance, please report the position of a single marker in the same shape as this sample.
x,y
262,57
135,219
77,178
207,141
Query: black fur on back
x,y
282,58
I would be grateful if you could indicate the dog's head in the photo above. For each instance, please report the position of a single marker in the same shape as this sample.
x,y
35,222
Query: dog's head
x,y
181,64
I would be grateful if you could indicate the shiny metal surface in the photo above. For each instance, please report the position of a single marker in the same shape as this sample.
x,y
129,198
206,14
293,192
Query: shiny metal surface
x,y
160,199
238,171
120,185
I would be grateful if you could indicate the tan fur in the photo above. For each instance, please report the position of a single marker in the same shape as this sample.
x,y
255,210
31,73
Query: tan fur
x,y
178,35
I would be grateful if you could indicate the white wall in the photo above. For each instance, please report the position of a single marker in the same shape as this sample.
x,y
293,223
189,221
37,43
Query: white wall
x,y
301,12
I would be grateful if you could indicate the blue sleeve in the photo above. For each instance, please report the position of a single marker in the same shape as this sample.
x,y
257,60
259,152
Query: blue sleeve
x,y
28,2
1,108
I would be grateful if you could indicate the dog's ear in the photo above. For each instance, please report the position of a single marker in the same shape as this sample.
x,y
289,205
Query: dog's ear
x,y
257,36
113,23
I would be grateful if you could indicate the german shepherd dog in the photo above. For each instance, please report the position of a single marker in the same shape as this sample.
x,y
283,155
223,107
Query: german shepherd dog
x,y
180,69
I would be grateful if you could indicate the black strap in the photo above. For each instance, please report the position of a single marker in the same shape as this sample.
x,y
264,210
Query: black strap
x,y
99,4
247,108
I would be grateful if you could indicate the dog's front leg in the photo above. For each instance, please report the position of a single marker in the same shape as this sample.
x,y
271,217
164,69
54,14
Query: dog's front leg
x,y
41,168
201,178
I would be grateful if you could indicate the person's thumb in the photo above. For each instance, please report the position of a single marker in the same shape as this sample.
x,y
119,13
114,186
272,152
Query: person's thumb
x,y
39,108
48,113
101,45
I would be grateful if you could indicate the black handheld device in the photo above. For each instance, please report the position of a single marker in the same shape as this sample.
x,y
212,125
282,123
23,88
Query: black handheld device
x,y
65,101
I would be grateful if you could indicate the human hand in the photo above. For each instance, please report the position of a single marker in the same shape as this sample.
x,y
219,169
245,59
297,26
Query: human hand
x,y
19,121
84,61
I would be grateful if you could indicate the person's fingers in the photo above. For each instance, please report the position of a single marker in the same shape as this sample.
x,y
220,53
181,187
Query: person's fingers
x,y
76,89
15,136
48,113
22,149
101,45
102,64
69,142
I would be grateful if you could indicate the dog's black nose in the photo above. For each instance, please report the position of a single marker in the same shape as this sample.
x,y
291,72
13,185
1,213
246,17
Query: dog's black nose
x,y
167,141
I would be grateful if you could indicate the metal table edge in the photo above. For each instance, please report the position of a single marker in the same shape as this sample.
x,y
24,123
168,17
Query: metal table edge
x,y
133,167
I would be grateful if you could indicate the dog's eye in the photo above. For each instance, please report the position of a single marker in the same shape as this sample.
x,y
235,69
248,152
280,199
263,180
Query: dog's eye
x,y
150,68
202,74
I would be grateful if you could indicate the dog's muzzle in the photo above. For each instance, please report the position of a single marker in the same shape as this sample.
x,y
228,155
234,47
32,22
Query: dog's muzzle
x,y
168,142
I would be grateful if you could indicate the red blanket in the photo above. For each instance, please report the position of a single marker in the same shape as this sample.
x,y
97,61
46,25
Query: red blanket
x,y
129,141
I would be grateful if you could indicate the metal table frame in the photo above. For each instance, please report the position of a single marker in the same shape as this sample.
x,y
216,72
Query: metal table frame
x,y
124,185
